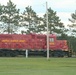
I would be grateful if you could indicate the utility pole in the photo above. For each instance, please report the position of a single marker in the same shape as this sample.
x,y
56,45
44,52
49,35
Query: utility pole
x,y
47,31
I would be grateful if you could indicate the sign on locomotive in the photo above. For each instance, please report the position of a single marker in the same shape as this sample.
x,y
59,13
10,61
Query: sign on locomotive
x,y
17,44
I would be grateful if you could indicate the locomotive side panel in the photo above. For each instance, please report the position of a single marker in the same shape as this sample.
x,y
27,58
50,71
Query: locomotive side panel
x,y
18,43
15,41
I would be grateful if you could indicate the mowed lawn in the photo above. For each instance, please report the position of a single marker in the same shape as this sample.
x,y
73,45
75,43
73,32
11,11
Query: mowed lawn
x,y
37,66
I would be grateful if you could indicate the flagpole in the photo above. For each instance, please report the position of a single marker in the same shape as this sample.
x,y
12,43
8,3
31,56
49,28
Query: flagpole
x,y
47,31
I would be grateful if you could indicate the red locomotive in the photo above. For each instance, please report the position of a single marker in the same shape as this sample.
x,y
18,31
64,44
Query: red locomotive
x,y
17,44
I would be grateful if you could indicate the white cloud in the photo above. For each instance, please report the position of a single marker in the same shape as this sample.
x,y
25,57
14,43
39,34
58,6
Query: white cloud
x,y
20,3
65,16
3,2
40,14
62,3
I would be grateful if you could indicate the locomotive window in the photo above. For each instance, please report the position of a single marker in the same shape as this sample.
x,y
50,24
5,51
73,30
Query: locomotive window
x,y
51,39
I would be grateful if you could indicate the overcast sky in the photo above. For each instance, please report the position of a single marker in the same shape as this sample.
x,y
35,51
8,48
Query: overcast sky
x,y
64,8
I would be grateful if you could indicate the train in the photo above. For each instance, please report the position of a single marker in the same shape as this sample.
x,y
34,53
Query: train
x,y
36,44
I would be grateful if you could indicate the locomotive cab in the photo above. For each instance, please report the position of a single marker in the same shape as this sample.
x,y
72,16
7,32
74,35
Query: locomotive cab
x,y
55,46
52,41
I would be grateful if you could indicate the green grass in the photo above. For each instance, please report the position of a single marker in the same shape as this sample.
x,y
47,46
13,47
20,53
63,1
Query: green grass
x,y
37,66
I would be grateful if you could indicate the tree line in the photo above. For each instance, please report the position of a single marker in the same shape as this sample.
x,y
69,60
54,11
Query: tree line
x,y
11,19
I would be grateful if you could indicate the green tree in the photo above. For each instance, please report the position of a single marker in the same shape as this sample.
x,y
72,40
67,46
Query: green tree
x,y
73,20
10,17
40,25
28,15
55,24
1,6
72,26
34,22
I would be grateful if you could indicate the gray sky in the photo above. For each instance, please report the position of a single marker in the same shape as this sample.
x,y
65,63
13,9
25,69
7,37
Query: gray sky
x,y
64,8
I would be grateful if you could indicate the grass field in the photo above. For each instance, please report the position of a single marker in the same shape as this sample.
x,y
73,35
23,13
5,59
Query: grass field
x,y
37,66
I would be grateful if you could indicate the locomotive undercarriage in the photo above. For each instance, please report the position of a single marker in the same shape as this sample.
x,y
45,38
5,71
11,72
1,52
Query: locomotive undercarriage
x,y
13,53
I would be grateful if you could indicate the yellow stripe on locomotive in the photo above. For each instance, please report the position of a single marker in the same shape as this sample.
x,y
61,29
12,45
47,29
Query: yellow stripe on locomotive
x,y
6,41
